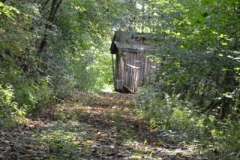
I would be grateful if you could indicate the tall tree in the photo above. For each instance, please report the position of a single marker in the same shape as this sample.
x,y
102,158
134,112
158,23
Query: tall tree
x,y
50,20
199,56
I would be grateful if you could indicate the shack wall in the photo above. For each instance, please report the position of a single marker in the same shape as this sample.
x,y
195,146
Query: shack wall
x,y
119,73
145,64
131,77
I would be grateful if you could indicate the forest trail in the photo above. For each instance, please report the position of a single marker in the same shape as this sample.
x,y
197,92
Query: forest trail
x,y
91,126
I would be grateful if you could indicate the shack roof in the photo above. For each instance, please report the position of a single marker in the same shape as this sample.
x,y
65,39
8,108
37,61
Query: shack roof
x,y
133,42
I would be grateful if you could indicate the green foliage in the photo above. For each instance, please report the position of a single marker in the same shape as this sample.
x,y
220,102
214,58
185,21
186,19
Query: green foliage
x,y
197,85
48,48
8,108
31,95
8,11
171,114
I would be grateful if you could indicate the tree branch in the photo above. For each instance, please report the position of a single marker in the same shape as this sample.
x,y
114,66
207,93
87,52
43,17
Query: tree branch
x,y
54,8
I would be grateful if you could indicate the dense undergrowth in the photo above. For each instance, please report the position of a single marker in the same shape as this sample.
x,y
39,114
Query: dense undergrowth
x,y
44,56
215,138
94,126
50,48
116,126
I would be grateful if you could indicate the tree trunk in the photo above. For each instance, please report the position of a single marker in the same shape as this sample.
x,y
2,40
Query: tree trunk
x,y
224,105
54,7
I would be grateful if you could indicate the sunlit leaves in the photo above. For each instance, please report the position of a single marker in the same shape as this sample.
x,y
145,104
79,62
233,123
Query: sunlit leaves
x,y
200,64
9,11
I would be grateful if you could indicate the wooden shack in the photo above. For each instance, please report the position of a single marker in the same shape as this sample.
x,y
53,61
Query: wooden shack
x,y
132,61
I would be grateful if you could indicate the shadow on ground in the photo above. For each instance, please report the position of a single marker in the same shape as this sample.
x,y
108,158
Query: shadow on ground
x,y
92,126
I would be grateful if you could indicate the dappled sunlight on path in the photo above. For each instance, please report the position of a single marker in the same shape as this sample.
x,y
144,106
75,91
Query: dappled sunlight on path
x,y
91,126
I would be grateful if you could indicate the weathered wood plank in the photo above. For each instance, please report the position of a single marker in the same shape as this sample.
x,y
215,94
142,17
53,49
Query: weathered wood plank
x,y
132,78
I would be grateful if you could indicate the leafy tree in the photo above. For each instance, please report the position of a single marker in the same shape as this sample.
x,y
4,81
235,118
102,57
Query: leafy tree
x,y
50,47
199,55
197,83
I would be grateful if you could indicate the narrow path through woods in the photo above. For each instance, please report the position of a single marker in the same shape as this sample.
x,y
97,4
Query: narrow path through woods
x,y
91,126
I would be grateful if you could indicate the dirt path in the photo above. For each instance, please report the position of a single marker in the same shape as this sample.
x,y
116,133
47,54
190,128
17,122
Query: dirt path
x,y
91,126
